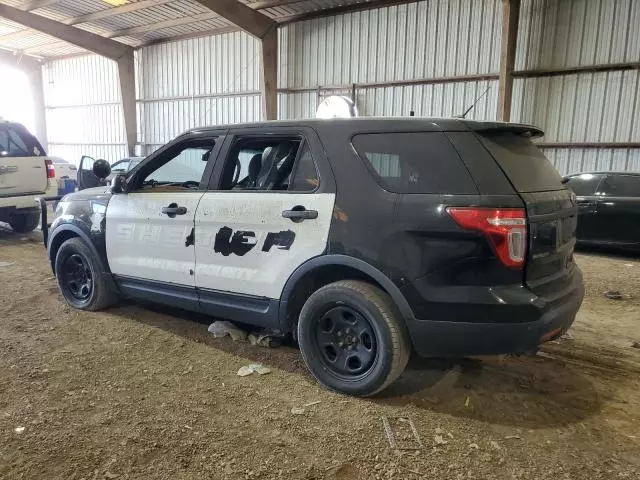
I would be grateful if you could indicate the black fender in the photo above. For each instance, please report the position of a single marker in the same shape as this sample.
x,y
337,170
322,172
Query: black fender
x,y
79,232
346,261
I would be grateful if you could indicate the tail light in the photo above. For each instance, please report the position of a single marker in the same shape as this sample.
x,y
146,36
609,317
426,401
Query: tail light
x,y
506,229
51,170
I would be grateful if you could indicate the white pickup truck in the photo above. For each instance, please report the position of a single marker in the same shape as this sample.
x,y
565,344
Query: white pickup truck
x,y
26,174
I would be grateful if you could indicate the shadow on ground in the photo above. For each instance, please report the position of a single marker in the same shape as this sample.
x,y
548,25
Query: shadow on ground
x,y
9,237
519,391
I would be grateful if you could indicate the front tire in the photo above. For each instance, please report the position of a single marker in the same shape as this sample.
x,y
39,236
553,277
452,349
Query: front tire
x,y
80,278
352,338
24,222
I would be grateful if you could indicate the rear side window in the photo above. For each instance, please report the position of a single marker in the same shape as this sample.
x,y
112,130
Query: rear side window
x,y
584,185
418,162
621,186
522,162
16,141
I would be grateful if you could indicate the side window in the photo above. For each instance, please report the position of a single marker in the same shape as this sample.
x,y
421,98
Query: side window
x,y
11,145
305,175
260,163
178,169
584,185
16,141
416,162
120,167
621,186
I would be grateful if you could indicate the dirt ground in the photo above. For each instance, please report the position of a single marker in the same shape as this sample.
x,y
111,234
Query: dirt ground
x,y
138,392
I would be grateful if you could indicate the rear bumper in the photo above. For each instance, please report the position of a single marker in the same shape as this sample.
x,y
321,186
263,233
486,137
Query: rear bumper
x,y
545,318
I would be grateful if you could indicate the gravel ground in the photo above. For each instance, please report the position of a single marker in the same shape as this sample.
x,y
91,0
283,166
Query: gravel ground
x,y
141,392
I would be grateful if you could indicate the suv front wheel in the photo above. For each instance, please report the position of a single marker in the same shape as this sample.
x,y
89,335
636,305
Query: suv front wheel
x,y
352,338
80,277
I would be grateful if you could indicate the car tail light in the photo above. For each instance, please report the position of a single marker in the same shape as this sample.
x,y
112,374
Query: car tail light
x,y
51,170
506,229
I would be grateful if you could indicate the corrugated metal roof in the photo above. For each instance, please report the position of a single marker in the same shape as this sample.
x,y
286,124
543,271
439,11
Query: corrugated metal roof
x,y
159,19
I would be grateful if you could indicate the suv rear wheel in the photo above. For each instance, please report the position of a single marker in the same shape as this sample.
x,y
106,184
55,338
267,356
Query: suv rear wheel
x,y
24,222
80,278
352,338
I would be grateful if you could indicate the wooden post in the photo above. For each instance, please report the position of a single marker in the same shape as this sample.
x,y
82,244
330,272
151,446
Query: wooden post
x,y
510,16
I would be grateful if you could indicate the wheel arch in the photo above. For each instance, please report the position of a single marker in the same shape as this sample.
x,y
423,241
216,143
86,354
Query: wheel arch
x,y
325,269
63,233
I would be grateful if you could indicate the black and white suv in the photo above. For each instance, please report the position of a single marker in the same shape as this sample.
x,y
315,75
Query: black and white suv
x,y
364,238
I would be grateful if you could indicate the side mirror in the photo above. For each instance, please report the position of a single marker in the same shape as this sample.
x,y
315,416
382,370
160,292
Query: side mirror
x,y
119,184
101,169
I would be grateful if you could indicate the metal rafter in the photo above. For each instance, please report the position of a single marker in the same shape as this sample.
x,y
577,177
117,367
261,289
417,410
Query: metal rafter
x,y
38,4
249,20
82,38
121,53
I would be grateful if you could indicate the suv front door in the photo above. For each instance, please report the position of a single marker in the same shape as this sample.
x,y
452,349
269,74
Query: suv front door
x,y
149,231
618,209
268,211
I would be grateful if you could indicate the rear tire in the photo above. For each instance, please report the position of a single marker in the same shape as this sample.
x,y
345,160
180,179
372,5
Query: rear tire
x,y
352,338
80,278
24,222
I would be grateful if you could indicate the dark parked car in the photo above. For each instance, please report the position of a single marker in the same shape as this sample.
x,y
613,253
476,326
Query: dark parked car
x,y
364,238
608,208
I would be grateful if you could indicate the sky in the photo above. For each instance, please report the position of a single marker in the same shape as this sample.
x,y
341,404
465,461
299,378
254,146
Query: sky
x,y
16,101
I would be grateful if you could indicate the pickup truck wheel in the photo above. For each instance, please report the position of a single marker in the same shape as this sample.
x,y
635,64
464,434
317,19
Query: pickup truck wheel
x,y
80,278
352,338
24,222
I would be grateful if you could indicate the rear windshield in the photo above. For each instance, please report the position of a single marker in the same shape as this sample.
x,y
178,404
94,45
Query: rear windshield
x,y
417,162
16,141
522,162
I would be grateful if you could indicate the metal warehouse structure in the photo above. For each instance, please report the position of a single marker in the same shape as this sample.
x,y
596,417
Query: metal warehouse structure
x,y
571,67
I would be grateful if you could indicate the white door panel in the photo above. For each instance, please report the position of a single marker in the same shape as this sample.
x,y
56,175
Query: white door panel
x,y
143,242
243,244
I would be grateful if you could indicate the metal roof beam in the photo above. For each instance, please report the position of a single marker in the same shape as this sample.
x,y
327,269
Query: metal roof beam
x,y
87,40
18,59
38,4
112,12
252,22
142,4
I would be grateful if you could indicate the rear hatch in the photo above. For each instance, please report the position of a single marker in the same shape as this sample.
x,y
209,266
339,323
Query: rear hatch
x,y
550,207
23,170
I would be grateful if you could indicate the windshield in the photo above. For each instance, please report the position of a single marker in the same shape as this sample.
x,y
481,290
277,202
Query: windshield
x,y
522,162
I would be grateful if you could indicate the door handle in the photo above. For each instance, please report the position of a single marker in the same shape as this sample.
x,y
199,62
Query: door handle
x,y
585,203
173,209
298,214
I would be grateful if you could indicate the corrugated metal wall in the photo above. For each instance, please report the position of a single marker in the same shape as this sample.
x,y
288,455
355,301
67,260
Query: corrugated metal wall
x,y
599,107
425,40
401,57
83,109
201,81
216,80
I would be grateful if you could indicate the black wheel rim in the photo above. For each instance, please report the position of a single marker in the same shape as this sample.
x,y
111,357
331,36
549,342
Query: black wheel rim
x,y
77,277
346,341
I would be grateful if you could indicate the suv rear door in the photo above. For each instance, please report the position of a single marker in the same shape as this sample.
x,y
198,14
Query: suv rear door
x,y
267,211
550,206
22,162
618,209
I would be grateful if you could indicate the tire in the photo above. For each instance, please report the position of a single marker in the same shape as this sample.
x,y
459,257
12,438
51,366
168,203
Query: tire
x,y
24,222
362,360
75,263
